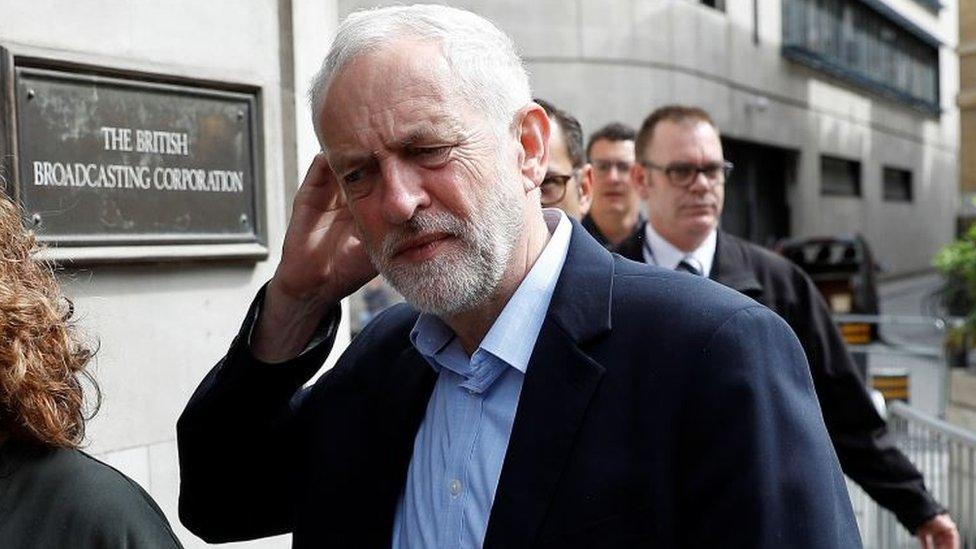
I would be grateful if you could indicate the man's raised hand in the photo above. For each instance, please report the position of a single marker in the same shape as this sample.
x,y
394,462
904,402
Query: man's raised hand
x,y
322,261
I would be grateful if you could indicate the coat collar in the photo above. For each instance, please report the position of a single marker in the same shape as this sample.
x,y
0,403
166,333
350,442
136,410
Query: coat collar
x,y
559,384
633,247
402,404
581,301
732,266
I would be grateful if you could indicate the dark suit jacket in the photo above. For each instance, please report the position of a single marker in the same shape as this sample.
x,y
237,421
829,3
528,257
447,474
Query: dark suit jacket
x,y
859,434
658,410
594,231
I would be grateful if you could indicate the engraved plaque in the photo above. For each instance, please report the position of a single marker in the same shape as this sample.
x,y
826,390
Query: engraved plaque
x,y
111,160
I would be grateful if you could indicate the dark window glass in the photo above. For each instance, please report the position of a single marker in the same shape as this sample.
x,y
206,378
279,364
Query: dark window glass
x,y
717,4
897,184
839,176
853,42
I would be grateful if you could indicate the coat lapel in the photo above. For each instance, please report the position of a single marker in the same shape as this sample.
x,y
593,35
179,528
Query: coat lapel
x,y
402,404
731,267
559,383
404,399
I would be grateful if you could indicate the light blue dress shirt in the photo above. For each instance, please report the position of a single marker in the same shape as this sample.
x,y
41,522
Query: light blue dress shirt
x,y
461,444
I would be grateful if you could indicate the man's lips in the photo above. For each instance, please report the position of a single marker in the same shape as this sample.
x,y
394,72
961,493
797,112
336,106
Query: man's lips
x,y
697,208
420,247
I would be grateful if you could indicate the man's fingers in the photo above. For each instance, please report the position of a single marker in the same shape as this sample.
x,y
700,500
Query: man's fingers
x,y
938,533
319,172
320,189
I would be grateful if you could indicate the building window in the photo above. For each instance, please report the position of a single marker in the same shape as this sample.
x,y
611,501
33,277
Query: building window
x,y
717,4
897,184
866,44
839,176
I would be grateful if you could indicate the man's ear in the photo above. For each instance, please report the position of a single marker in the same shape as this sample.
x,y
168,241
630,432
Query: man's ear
x,y
640,178
533,134
586,189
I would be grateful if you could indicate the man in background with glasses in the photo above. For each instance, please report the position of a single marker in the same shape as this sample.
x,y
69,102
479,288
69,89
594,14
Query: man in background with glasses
x,y
681,174
568,181
615,213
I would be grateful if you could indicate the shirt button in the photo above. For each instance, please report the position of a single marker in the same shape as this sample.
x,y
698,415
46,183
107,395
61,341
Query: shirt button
x,y
455,487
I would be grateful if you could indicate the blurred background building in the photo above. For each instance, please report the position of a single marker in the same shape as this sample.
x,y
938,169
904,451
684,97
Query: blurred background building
x,y
967,110
840,115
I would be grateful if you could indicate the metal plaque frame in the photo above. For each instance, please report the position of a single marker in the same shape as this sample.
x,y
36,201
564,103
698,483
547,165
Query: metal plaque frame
x,y
159,246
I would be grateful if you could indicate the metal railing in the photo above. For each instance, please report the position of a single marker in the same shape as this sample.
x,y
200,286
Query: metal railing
x,y
946,456
944,453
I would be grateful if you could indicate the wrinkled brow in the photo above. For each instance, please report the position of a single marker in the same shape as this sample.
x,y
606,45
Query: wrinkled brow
x,y
443,130
431,134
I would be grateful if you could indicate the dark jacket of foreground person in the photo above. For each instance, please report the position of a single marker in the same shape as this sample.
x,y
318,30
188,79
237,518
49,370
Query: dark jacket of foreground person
x,y
860,436
64,498
658,410
52,494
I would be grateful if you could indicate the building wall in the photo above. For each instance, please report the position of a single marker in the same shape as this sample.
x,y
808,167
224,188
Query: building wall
x,y
160,327
618,60
967,106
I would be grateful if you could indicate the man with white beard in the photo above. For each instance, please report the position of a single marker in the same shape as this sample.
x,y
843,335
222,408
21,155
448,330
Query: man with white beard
x,y
535,391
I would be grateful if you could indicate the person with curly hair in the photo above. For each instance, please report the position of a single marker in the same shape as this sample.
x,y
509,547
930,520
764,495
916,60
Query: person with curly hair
x,y
51,493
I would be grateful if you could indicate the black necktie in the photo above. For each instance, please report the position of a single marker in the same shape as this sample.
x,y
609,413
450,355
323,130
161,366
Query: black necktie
x,y
687,267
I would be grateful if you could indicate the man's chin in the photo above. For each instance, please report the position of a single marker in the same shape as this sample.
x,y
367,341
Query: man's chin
x,y
700,226
615,203
439,295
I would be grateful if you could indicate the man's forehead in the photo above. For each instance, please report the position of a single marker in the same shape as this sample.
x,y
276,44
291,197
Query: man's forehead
x,y
683,142
612,148
380,100
687,129
392,130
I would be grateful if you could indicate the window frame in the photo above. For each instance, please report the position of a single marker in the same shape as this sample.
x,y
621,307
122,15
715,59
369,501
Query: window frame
x,y
865,43
900,197
854,167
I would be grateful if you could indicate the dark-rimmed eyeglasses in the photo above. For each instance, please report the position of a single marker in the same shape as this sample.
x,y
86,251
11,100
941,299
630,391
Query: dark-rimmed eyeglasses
x,y
684,175
604,165
553,188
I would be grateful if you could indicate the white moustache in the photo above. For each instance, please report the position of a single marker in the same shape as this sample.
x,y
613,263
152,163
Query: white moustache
x,y
442,222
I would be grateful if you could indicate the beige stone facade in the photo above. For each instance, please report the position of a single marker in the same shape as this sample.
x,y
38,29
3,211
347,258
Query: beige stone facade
x,y
967,106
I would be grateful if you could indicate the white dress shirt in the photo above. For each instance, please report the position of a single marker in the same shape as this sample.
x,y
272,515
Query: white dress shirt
x,y
660,252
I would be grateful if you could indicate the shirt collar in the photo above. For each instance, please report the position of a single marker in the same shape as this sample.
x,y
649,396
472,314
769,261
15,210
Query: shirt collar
x,y
665,254
512,336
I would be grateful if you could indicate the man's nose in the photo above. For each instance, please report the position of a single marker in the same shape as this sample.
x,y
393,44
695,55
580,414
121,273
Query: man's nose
x,y
700,183
403,190
617,174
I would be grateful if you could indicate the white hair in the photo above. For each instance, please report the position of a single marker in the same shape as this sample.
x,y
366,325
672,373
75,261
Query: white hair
x,y
488,71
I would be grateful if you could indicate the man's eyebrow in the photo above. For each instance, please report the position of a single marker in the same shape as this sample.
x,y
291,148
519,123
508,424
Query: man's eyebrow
x,y
343,161
420,135
426,135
